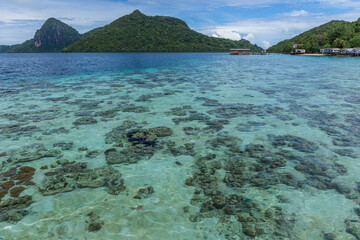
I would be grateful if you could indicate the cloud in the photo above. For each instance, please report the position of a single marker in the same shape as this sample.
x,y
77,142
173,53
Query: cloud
x,y
271,30
233,35
297,13
225,33
266,44
250,37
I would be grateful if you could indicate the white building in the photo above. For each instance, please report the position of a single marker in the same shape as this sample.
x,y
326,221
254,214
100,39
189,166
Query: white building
x,y
329,50
300,51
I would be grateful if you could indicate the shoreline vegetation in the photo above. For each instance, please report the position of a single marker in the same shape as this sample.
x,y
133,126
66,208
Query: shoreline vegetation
x,y
334,34
324,55
135,32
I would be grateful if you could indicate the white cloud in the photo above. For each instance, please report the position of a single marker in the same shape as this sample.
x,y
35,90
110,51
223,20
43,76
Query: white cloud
x,y
231,34
250,37
226,33
266,44
297,13
272,30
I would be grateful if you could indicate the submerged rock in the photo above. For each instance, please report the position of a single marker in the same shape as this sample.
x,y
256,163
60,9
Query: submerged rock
x,y
329,236
249,229
187,149
17,128
92,154
139,143
178,111
141,136
12,209
249,126
297,143
64,145
214,125
210,102
94,222
117,135
60,130
131,154
107,113
191,130
233,110
220,140
66,179
24,175
31,153
136,109
16,177
15,192
148,97
85,121
353,227
346,152
194,116
144,192
147,136
53,184
161,131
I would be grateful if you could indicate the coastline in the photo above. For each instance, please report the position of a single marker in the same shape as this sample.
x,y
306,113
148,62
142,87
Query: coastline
x,y
313,54
325,55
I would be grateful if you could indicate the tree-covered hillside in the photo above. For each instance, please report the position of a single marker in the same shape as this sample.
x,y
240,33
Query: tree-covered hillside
x,y
53,36
339,34
140,33
4,48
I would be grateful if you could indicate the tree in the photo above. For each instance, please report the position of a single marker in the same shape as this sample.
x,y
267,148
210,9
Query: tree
x,y
355,41
340,43
321,39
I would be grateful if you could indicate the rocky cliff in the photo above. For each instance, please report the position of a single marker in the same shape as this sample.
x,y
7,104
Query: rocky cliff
x,y
53,36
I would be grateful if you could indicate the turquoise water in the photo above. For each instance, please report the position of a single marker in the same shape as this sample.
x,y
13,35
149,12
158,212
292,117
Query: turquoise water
x,y
250,147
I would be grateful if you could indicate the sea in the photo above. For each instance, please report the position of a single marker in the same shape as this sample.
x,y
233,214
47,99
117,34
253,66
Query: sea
x,y
179,146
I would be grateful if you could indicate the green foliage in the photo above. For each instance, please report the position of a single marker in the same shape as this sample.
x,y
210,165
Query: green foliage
x,y
140,33
355,41
89,32
339,34
53,36
339,43
4,48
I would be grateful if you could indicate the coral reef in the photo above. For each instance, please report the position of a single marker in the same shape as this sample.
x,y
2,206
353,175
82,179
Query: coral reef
x,y
66,179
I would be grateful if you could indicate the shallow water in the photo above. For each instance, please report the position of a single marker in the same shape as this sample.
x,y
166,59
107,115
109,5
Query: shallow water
x,y
263,147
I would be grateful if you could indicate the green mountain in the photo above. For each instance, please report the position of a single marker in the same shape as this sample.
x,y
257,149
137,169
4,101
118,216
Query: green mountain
x,y
137,32
339,34
53,36
90,32
4,48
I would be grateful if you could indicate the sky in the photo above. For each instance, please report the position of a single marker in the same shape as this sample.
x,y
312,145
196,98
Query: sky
x,y
264,22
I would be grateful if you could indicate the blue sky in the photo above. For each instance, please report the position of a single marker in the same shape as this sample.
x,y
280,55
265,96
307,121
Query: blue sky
x,y
264,22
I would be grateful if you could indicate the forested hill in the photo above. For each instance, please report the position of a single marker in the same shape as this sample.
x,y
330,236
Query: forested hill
x,y
340,34
53,36
137,32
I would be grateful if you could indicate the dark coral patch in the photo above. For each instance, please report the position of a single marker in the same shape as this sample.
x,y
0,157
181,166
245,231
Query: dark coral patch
x,y
15,192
